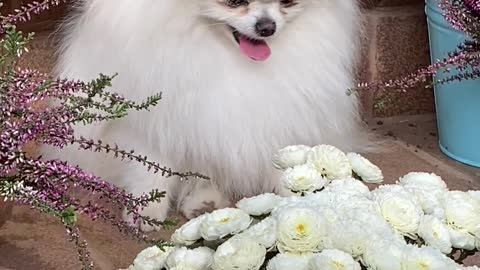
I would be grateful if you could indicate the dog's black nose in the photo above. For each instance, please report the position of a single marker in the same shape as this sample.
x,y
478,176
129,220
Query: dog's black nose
x,y
265,27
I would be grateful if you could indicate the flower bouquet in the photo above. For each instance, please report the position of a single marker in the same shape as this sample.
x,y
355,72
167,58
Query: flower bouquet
x,y
329,219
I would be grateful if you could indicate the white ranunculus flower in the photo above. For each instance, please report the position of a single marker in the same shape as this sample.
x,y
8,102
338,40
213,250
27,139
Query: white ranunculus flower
x,y
289,261
300,230
430,199
152,258
425,258
189,233
295,201
223,222
348,186
383,255
200,258
429,190
329,214
264,232
303,179
324,198
439,213
462,212
435,233
350,236
391,189
423,180
475,194
461,240
291,156
259,205
330,162
239,254
358,202
365,169
399,208
290,201
373,223
332,259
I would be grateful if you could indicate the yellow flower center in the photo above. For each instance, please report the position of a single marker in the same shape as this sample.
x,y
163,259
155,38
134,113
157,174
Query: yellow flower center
x,y
301,179
300,228
224,220
338,265
424,265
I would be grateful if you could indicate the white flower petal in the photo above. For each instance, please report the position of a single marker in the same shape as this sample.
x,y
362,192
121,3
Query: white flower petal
x,y
295,201
200,258
152,258
264,232
428,188
435,233
365,169
461,240
291,156
349,236
259,205
423,180
330,162
374,224
475,194
239,254
384,255
303,179
189,233
462,212
357,202
319,199
348,186
332,259
289,261
399,208
474,267
426,258
430,199
300,230
223,222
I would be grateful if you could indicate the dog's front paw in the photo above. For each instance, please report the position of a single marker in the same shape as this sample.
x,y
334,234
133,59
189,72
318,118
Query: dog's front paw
x,y
198,210
158,211
203,201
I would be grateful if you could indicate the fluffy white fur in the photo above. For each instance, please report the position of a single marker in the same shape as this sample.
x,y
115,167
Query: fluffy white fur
x,y
222,114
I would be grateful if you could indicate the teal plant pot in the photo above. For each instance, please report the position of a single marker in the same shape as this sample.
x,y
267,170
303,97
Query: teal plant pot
x,y
457,103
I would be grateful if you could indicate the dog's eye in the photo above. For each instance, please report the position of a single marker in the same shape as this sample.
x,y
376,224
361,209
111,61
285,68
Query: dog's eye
x,y
236,3
287,3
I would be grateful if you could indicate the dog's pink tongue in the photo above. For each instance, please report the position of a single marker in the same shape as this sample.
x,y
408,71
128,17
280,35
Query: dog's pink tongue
x,y
257,50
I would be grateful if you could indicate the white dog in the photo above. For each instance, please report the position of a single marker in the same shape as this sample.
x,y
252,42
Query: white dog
x,y
240,80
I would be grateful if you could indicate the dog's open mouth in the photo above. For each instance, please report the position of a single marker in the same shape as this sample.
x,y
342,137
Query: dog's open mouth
x,y
257,50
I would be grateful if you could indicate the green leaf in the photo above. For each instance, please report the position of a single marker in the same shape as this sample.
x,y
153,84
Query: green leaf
x,y
69,216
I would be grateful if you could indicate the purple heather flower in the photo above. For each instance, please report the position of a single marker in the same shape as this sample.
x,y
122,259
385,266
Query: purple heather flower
x,y
474,5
